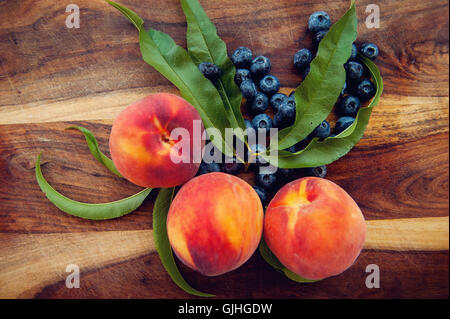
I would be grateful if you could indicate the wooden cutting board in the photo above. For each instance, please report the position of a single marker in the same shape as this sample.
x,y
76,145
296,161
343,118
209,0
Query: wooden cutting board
x,y
52,77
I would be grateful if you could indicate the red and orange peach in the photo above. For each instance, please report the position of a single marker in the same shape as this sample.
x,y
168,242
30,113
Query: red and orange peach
x,y
215,223
141,146
314,228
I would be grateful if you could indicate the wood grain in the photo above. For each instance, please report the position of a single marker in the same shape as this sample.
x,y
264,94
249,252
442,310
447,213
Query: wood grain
x,y
402,275
33,261
420,234
52,77
387,181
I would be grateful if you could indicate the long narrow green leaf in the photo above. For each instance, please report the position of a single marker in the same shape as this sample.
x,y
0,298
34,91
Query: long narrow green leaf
x,y
332,148
89,211
95,149
160,210
317,94
204,45
132,16
160,51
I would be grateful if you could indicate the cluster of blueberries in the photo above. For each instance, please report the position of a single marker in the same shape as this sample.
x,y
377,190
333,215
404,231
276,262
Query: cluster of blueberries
x,y
260,90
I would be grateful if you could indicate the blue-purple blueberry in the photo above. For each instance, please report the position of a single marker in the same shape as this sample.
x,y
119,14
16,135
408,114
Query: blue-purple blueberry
x,y
343,123
258,104
242,57
269,84
260,66
319,171
302,59
348,106
241,75
365,90
210,70
277,99
248,89
323,130
262,122
369,50
319,20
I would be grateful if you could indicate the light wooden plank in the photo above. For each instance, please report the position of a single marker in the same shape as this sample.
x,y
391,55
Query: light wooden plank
x,y
421,234
30,261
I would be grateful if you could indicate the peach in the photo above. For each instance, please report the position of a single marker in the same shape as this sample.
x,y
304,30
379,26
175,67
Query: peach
x,y
141,146
215,223
314,228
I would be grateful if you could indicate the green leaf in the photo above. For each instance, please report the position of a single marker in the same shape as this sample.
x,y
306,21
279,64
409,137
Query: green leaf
x,y
133,17
204,45
317,94
160,51
160,210
332,148
296,277
95,150
272,260
89,211
269,257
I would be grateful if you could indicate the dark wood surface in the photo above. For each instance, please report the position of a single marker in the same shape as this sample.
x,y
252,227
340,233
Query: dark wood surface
x,y
52,77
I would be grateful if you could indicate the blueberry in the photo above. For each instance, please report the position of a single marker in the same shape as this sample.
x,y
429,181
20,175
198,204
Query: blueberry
x,y
232,168
369,50
354,51
319,20
323,130
269,84
206,168
365,90
260,66
259,103
210,70
248,89
319,171
254,157
285,174
263,122
348,106
302,59
318,36
344,89
292,94
286,114
266,181
242,57
354,70
290,102
343,123
261,193
248,125
242,75
284,118
277,99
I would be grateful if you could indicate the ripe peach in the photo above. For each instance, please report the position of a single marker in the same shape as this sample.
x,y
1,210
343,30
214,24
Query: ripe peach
x,y
215,223
141,146
314,228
